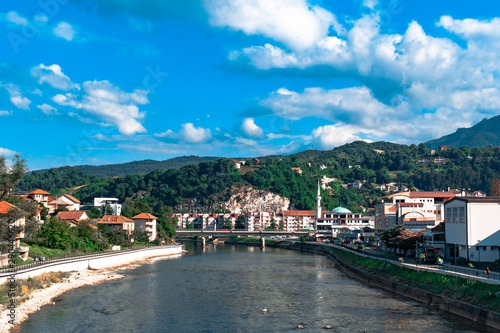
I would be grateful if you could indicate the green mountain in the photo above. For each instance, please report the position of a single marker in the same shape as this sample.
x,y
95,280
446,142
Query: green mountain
x,y
483,134
141,167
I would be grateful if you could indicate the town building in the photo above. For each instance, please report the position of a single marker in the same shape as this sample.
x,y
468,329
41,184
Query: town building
x,y
412,210
331,222
5,207
255,221
472,228
147,223
40,196
113,202
73,218
118,222
298,219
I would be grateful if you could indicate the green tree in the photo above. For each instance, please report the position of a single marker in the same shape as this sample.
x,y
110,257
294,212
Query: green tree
x,y
494,188
140,236
59,234
9,176
240,223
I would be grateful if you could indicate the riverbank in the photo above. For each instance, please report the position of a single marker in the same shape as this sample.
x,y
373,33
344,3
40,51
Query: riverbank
x,y
78,278
467,298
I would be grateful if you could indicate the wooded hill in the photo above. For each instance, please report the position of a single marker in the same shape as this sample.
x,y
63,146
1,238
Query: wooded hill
x,y
372,163
483,134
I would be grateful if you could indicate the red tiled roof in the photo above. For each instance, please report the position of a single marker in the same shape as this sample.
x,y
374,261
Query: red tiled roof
x,y
70,215
432,194
114,219
299,213
411,204
72,198
38,191
145,216
5,207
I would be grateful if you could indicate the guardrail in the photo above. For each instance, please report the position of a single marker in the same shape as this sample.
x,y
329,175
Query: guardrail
x,y
77,257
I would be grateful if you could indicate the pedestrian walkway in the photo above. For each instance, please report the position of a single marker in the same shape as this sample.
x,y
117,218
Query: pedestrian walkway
x,y
465,272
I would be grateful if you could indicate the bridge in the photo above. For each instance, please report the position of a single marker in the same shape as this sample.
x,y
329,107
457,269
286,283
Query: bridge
x,y
229,233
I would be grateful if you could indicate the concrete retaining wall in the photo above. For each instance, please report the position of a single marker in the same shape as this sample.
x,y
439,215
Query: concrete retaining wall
x,y
111,259
469,311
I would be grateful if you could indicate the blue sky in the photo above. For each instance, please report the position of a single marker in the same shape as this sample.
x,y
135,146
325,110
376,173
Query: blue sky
x,y
111,81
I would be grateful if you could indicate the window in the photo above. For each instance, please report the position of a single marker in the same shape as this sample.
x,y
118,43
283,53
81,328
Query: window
x,y
448,215
454,214
494,248
481,248
461,215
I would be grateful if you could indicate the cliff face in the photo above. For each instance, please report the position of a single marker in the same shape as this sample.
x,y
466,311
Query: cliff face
x,y
238,199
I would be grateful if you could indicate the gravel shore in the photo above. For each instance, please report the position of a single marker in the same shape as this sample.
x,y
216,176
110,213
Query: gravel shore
x,y
43,297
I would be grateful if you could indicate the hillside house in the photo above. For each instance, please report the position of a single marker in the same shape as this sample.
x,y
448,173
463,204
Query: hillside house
x,y
5,207
40,196
113,202
147,223
118,222
73,218
297,170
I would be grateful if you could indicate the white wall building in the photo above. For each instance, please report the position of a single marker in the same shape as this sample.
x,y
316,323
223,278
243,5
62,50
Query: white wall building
x,y
115,205
147,223
412,210
472,228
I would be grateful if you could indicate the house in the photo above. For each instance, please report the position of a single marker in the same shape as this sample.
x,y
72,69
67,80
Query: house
x,y
113,202
40,196
443,147
478,194
146,222
379,151
237,164
55,203
255,161
473,228
412,210
439,160
297,170
322,167
73,203
5,207
118,222
73,218
357,184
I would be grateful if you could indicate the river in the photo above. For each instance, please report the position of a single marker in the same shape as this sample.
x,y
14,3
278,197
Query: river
x,y
225,288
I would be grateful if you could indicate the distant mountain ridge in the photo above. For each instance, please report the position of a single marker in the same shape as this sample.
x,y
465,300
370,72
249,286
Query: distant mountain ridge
x,y
483,134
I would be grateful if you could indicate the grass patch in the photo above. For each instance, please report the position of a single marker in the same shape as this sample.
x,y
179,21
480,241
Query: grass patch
x,y
25,287
471,291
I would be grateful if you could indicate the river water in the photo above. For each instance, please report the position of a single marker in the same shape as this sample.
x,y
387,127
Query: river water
x,y
224,288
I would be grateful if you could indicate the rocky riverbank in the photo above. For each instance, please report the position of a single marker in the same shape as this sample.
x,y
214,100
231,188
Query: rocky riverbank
x,y
78,279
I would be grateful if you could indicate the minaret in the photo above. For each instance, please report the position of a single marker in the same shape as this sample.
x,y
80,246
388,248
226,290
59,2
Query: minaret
x,y
318,203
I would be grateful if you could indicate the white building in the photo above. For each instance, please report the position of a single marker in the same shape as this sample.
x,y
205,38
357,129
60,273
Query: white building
x,y
333,221
113,202
472,228
260,220
298,219
412,210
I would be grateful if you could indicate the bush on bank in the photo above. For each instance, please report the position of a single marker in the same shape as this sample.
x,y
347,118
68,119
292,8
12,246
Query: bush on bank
x,y
471,291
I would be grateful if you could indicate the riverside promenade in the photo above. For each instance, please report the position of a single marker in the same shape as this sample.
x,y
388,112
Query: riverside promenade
x,y
106,259
447,269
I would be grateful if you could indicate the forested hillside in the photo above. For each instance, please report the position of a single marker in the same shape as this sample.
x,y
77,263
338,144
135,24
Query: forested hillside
x,y
483,134
371,163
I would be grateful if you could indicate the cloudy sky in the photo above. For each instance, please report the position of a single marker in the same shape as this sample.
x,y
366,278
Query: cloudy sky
x,y
109,81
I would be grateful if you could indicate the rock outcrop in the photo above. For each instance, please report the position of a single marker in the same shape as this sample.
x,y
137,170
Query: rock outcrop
x,y
239,199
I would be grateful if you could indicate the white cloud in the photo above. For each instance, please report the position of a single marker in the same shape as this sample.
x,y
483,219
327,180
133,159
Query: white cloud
x,y
370,3
192,134
109,103
251,129
47,109
15,96
471,28
292,22
64,30
7,152
331,136
5,113
16,18
53,76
